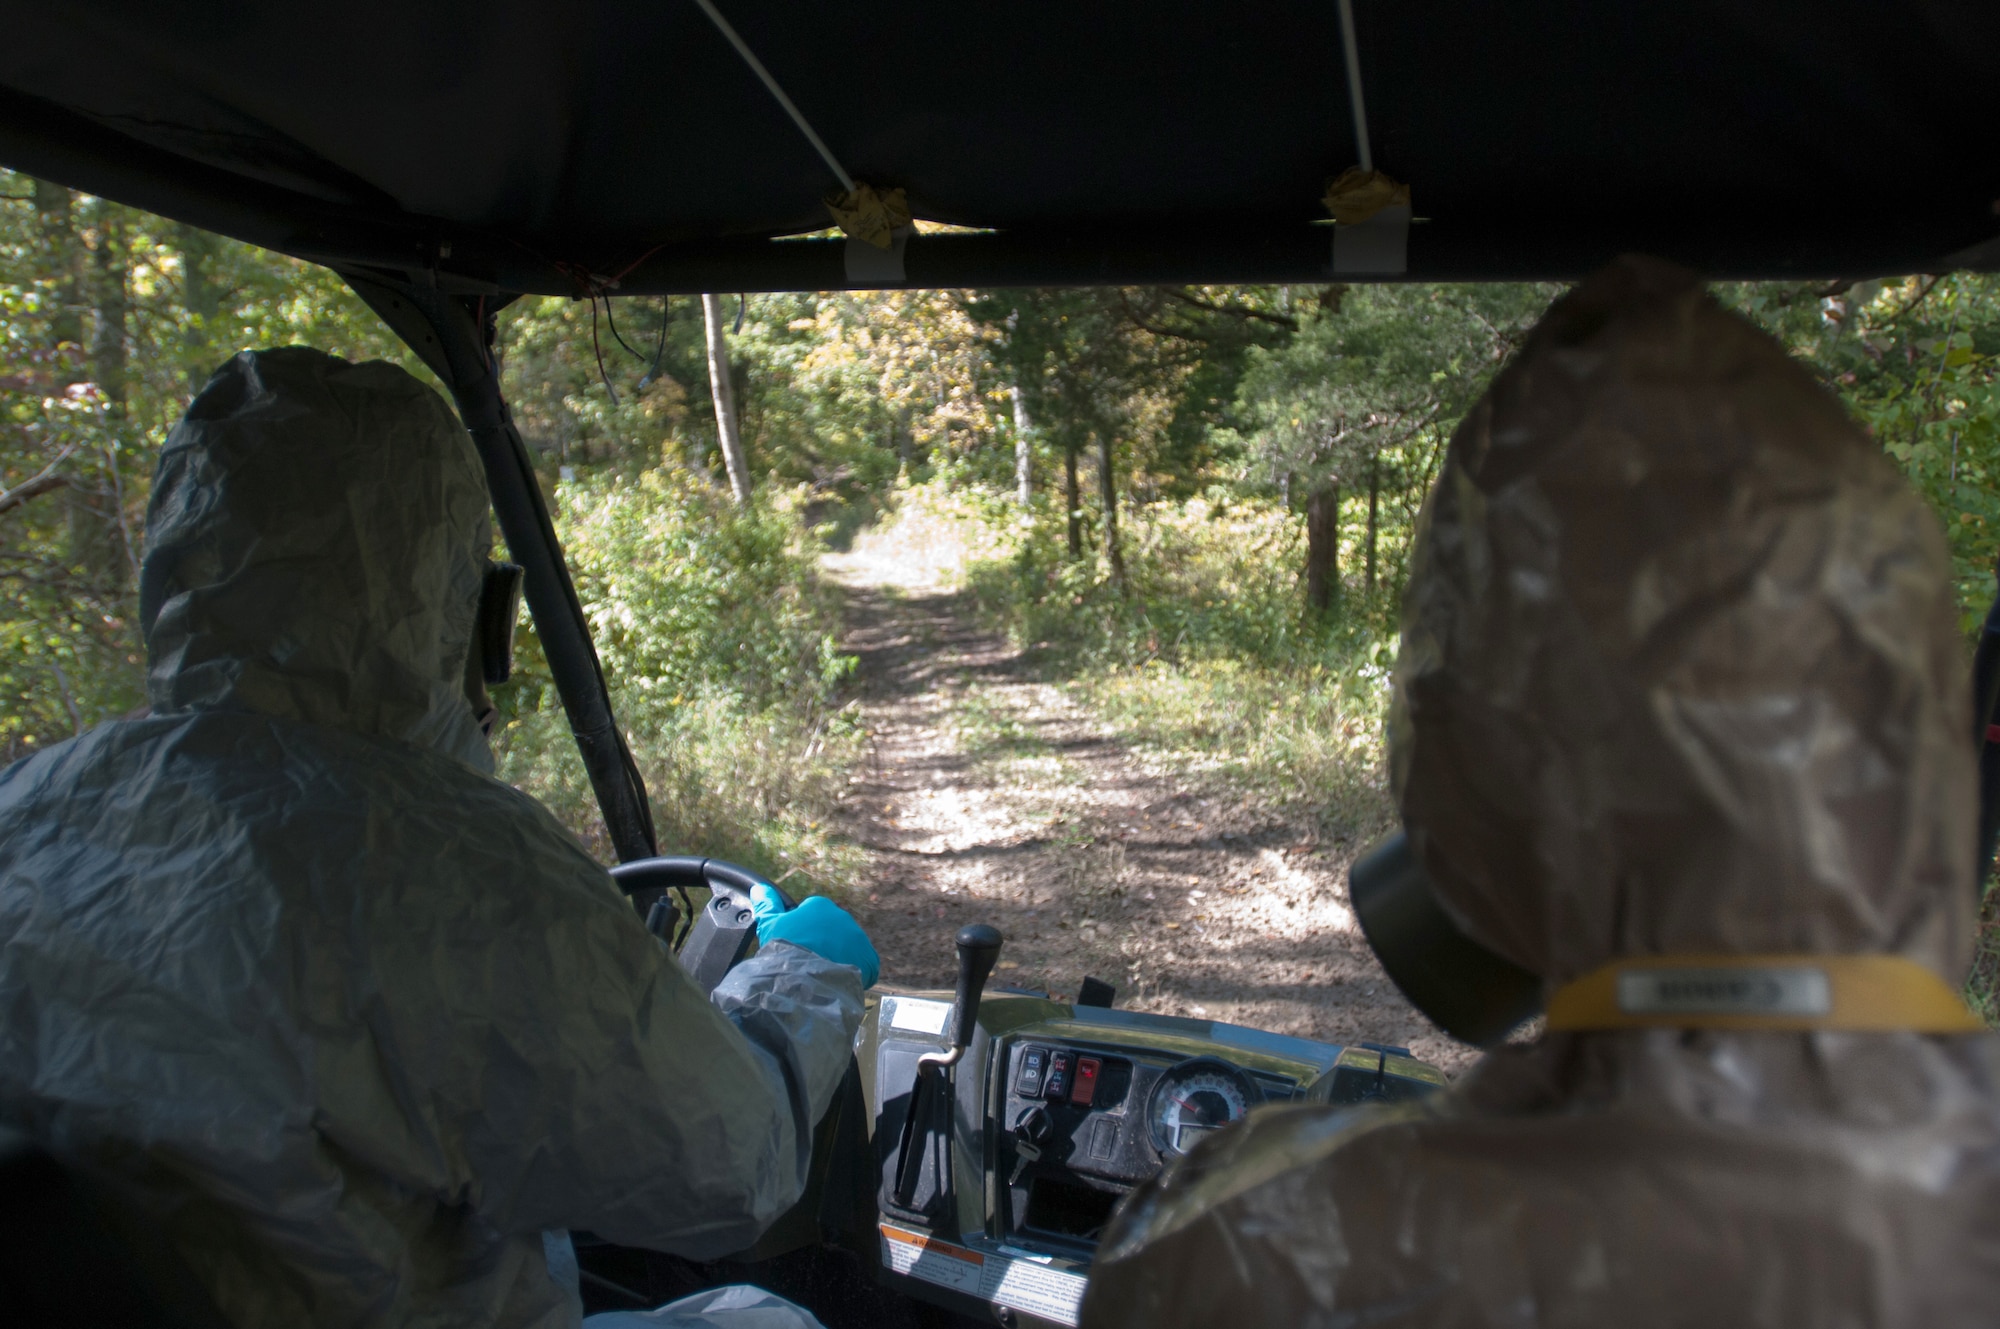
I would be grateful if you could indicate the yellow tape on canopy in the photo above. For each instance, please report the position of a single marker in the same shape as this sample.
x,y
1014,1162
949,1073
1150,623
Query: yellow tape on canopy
x,y
868,214
1356,195
1857,992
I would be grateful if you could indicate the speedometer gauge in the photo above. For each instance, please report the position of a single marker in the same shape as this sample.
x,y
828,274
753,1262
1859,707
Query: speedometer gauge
x,y
1194,1098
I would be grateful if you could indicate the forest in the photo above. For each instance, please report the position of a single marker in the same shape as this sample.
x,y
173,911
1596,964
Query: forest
x,y
1192,505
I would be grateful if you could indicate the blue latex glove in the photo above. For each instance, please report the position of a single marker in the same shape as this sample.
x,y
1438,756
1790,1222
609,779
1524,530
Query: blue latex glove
x,y
820,926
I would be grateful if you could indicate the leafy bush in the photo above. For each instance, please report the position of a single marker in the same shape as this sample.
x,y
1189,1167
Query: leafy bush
x,y
1307,738
718,646
1204,579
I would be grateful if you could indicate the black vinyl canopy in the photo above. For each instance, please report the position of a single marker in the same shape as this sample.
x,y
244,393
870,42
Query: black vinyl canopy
x,y
505,145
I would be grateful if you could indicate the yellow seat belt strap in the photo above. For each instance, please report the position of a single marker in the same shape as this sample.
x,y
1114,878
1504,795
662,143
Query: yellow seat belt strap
x,y
1858,992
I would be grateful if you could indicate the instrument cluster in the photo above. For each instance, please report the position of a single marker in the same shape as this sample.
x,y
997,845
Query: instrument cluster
x,y
1081,1126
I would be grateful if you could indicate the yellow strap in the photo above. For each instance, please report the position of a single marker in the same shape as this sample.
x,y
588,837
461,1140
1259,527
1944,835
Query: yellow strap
x,y
869,214
1860,992
1358,195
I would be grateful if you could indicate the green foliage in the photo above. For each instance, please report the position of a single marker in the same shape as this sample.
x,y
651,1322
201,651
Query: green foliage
x,y
110,320
1198,418
552,353
718,647
1206,578
838,392
1152,370
1307,739
1918,362
1355,410
1380,376
685,590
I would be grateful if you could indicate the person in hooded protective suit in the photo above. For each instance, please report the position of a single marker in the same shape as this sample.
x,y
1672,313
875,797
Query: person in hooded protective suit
x,y
353,1022
1680,726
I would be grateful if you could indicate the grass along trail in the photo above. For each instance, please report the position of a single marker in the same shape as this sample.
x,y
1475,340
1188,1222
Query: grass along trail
x,y
989,795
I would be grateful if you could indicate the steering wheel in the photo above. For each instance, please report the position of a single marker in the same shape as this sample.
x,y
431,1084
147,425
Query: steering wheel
x,y
712,940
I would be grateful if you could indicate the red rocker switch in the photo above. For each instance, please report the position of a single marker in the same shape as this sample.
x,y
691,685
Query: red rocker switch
x,y
1084,1087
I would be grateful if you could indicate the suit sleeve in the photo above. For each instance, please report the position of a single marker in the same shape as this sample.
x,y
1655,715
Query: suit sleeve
x,y
589,1084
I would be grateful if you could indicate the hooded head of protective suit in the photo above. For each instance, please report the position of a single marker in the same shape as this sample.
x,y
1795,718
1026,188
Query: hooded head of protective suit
x,y
1681,667
1680,678
352,1023
314,551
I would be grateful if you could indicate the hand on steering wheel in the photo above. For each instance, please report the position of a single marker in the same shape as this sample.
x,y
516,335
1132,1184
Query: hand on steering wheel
x,y
819,925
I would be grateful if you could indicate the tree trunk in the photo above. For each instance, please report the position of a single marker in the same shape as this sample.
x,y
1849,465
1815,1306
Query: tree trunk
x,y
1323,549
1024,489
1374,499
108,351
724,392
1074,498
1107,492
201,297
59,257
110,363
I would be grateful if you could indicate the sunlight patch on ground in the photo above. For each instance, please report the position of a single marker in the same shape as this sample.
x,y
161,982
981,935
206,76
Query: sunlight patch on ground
x,y
911,555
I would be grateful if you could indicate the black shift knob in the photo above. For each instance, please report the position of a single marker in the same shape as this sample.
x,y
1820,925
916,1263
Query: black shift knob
x,y
978,949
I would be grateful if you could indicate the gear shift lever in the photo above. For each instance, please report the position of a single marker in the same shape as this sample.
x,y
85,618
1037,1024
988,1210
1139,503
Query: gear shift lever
x,y
922,1180
978,948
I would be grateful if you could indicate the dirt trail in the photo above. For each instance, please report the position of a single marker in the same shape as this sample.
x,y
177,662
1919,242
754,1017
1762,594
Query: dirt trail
x,y
989,796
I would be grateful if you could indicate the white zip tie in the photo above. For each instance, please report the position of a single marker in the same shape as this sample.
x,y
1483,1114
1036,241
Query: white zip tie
x,y
798,118
1347,43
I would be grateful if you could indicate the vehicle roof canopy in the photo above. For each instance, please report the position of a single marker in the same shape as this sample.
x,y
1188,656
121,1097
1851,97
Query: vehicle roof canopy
x,y
540,147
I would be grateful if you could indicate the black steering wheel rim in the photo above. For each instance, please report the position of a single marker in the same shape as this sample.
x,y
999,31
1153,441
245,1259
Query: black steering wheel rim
x,y
710,941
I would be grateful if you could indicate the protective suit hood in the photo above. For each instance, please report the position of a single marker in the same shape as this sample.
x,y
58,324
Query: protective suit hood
x,y
1681,669
1680,676
315,543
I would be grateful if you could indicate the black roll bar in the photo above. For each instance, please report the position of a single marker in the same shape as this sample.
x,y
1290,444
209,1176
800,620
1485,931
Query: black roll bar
x,y
453,334
1986,710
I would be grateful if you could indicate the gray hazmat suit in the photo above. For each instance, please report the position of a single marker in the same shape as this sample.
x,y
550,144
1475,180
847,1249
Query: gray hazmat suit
x,y
283,964
1681,674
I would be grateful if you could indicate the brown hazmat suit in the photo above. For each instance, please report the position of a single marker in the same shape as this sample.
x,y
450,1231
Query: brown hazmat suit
x,y
1680,676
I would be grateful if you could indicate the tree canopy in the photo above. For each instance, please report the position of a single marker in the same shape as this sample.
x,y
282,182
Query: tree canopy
x,y
1321,408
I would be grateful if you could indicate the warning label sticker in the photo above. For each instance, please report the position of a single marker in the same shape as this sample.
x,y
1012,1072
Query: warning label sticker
x,y
916,1014
1052,1294
917,1256
1024,1285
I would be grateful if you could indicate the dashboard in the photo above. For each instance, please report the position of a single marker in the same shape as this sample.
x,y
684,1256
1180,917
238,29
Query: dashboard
x,y
1061,1110
972,1159
1099,1107
983,1188
1086,1122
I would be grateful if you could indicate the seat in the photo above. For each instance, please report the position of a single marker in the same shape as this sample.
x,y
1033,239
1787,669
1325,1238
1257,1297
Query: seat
x,y
67,1259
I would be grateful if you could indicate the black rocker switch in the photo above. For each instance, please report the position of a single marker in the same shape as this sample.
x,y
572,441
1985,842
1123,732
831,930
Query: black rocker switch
x,y
1028,1078
1055,1086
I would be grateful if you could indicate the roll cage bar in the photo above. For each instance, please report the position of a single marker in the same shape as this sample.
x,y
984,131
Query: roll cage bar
x,y
455,336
